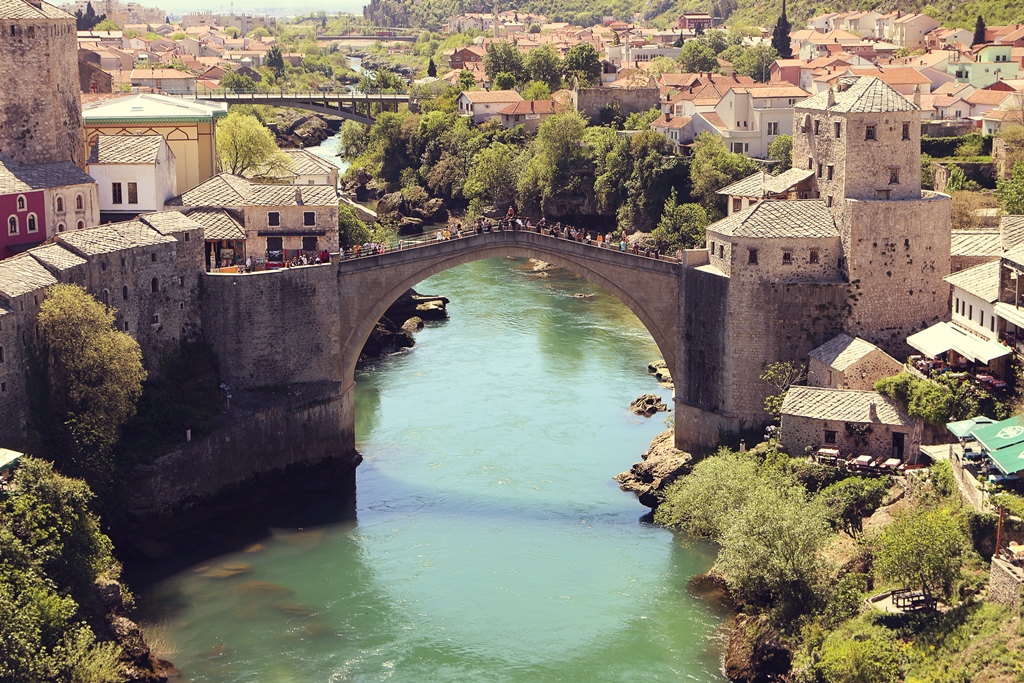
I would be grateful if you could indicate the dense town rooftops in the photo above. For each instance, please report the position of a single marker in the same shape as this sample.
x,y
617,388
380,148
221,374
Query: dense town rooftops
x,y
225,189
125,149
981,281
21,9
801,218
759,184
24,178
843,405
859,95
842,351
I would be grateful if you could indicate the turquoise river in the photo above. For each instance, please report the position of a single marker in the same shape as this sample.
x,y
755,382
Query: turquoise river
x,y
489,541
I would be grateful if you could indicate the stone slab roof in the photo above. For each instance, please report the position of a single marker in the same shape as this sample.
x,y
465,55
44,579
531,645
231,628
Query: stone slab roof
x,y
859,95
27,177
169,222
57,256
22,274
104,239
981,281
759,184
843,405
225,189
125,149
800,218
842,351
218,224
306,163
975,243
20,9
1012,229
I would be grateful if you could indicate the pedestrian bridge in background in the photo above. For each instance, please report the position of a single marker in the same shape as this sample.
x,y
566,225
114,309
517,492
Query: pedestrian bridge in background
x,y
347,105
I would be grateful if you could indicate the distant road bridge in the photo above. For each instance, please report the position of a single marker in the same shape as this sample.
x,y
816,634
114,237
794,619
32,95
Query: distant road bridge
x,y
347,105
370,38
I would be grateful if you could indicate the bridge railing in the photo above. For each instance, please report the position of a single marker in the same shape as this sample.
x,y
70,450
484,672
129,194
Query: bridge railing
x,y
339,93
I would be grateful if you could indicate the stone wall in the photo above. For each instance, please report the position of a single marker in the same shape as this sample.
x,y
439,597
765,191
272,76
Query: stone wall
x,y
41,113
1004,584
799,433
629,100
861,375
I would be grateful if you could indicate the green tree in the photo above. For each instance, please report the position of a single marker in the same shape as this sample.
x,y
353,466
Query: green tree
x,y
860,655
716,39
431,68
492,177
780,35
1011,191
641,120
756,62
466,80
106,25
979,32
781,150
851,500
922,549
536,90
382,80
957,179
543,64
557,160
682,226
535,28
921,398
504,81
504,57
95,372
237,82
351,228
583,65
696,57
352,139
245,145
779,377
232,31
712,168
274,60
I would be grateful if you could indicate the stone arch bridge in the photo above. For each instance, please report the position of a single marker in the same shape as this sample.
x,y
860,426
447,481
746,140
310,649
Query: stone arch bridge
x,y
309,324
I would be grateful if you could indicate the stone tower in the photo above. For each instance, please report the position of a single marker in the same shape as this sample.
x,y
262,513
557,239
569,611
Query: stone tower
x,y
862,139
40,107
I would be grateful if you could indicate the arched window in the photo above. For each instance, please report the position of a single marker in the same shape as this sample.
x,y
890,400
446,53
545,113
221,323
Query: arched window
x,y
81,225
32,225
155,285
22,204
79,202
60,204
124,292
60,227
105,297
12,225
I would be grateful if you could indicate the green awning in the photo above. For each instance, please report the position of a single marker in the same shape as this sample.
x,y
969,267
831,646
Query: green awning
x,y
1009,460
9,458
962,429
999,435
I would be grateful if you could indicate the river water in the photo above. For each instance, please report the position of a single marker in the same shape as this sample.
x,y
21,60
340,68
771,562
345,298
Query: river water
x,y
489,541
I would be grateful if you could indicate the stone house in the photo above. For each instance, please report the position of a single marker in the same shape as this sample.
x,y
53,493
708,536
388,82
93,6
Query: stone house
x,y
483,105
307,169
637,95
135,174
854,422
846,362
93,79
529,114
794,183
280,221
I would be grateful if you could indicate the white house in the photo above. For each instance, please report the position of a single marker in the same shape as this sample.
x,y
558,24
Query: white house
x,y
750,118
135,174
483,105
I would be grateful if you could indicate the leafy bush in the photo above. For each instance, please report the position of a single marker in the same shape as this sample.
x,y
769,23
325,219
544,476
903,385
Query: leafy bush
x,y
922,549
849,501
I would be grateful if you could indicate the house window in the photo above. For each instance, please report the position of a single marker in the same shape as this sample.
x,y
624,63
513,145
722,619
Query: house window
x,y
817,126
79,202
992,323
906,131
81,225
115,192
773,128
274,218
814,256
881,194
787,257
309,218
22,204
60,204
156,318
133,193
752,256
820,168
956,305
869,132
188,236
275,243
12,225
124,292
712,248
3,385
828,201
31,223
737,203
894,176
1,354
831,171
838,130
181,281
810,163
60,227
830,437
309,244
152,257
105,297
154,285
981,320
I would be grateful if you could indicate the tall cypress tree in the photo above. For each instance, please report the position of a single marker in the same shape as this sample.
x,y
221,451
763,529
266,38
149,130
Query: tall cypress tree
x,y
780,35
979,31
431,68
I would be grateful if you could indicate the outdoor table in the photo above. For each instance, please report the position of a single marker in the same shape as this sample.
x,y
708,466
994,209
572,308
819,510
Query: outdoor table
x,y
892,464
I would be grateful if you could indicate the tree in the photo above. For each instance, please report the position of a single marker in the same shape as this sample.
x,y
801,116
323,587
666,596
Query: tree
x,y
106,25
681,226
236,82
965,207
851,500
492,177
712,168
544,64
274,60
716,39
466,80
557,159
351,228
696,57
780,35
922,549
536,90
583,65
95,372
781,150
504,81
756,62
232,31
504,57
352,139
245,145
431,68
780,377
535,28
979,32
641,120
957,179
382,80
865,655
1011,191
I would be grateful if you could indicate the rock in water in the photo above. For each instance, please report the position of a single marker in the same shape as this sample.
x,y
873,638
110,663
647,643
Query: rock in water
x,y
413,324
756,652
661,465
648,405
660,371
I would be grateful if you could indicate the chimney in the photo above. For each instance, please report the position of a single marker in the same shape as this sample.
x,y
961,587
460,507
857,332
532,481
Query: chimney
x,y
298,196
691,88
872,412
668,117
917,95
831,98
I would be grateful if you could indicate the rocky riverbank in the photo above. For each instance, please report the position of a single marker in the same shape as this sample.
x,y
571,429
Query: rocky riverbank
x,y
393,332
660,465
294,128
